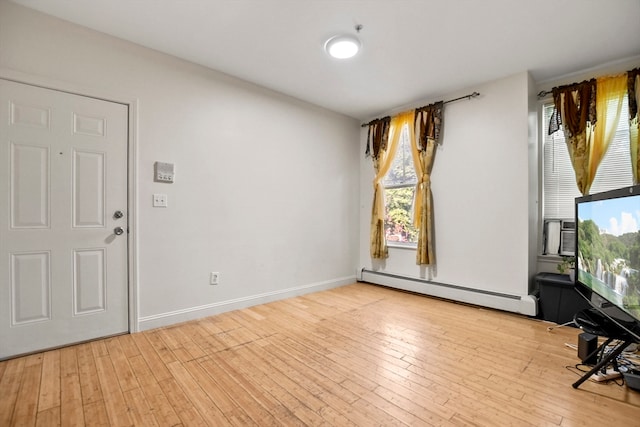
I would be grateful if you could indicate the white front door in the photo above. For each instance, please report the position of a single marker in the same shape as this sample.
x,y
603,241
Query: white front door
x,y
63,195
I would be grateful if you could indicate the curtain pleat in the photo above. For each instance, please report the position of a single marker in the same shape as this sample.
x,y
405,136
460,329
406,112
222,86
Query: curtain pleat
x,y
575,110
377,137
427,125
633,91
377,141
610,97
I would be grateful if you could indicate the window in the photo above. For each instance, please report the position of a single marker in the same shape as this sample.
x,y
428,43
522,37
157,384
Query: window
x,y
559,182
400,185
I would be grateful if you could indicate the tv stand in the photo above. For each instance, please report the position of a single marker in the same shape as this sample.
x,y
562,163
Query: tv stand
x,y
593,322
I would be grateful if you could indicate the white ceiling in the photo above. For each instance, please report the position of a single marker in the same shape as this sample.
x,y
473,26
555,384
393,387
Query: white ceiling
x,y
413,50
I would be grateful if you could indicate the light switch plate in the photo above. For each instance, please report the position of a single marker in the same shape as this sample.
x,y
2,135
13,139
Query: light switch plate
x,y
160,201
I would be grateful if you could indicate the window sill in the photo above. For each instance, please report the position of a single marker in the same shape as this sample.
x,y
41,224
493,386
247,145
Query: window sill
x,y
550,258
397,245
553,258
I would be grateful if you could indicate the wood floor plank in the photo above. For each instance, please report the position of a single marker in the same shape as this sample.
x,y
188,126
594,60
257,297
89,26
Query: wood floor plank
x,y
359,355
89,382
430,414
9,387
353,414
335,418
96,413
189,339
209,378
206,378
128,344
181,403
251,319
99,348
126,378
206,338
33,359
304,405
166,355
222,323
169,337
255,402
302,378
50,382
3,367
49,417
138,408
197,396
26,407
155,363
160,406
70,389
314,382
114,402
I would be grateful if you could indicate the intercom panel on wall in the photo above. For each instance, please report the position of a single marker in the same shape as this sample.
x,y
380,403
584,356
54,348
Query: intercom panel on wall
x,y
164,172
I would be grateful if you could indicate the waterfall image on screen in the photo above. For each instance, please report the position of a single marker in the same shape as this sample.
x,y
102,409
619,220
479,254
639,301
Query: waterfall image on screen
x,y
608,258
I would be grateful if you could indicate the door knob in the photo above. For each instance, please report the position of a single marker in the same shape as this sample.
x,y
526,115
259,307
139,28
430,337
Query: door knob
x,y
118,231
118,214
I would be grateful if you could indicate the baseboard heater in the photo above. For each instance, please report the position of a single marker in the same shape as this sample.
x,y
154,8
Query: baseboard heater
x,y
524,304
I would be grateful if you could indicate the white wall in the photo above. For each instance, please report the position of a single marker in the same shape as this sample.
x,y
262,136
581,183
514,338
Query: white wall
x,y
484,195
265,192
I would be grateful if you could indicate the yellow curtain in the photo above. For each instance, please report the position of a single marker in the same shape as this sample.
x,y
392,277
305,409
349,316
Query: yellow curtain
x,y
382,163
611,90
377,140
633,90
428,122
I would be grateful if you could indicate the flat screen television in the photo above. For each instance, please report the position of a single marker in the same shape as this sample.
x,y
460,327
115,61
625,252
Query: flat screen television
x,y
608,255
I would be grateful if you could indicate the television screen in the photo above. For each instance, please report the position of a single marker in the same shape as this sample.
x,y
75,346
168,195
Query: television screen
x,y
608,254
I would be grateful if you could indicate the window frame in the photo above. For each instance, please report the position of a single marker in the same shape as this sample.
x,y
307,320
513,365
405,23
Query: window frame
x,y
404,139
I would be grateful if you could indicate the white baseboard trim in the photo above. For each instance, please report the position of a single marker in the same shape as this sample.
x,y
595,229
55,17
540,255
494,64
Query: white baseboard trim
x,y
523,304
191,313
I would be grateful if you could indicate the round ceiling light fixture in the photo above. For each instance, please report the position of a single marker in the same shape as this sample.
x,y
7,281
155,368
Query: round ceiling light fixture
x,y
342,47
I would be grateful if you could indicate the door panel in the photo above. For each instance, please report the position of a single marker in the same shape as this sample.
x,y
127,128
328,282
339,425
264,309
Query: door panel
x,y
29,178
89,290
88,189
30,287
63,173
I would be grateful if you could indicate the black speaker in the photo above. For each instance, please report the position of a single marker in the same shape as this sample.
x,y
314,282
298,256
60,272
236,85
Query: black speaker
x,y
632,380
587,344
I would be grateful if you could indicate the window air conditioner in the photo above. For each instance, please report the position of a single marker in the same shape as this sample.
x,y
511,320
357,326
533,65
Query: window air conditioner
x,y
568,238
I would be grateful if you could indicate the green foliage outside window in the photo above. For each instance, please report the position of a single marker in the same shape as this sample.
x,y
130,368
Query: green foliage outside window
x,y
399,220
400,184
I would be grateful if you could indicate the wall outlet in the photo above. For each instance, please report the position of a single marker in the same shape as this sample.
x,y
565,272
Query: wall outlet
x,y
160,201
214,278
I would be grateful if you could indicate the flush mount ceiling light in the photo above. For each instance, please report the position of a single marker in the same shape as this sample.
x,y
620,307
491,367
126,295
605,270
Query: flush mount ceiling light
x,y
343,46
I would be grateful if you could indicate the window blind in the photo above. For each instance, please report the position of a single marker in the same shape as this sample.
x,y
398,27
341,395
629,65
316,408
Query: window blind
x,y
559,182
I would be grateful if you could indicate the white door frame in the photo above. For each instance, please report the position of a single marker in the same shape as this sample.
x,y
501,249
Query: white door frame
x,y
132,168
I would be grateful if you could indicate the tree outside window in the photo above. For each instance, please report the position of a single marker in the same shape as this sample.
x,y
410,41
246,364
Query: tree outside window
x,y
400,183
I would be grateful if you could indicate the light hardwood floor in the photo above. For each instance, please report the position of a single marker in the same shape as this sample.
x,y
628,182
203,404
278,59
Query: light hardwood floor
x,y
357,355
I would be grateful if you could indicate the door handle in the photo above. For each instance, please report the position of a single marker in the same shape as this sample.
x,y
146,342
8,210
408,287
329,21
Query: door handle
x,y
118,231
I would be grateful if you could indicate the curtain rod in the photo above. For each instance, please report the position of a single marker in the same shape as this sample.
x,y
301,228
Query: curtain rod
x,y
544,93
471,95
